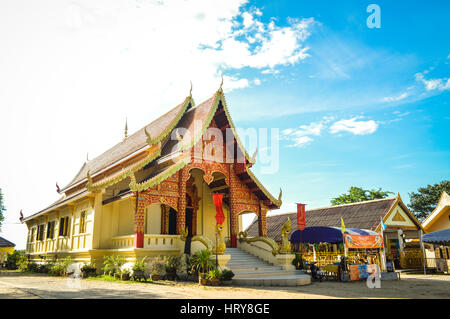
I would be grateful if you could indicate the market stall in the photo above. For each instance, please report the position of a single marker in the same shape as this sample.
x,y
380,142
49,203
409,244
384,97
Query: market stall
x,y
326,246
439,243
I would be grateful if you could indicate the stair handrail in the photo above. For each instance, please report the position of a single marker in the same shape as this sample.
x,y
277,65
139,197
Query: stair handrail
x,y
243,236
203,239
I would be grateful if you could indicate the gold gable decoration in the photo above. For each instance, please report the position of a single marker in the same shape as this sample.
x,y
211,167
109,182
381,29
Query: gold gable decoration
x,y
398,218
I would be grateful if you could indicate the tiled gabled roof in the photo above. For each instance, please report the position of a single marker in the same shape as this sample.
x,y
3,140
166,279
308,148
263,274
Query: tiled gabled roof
x,y
6,243
363,215
158,129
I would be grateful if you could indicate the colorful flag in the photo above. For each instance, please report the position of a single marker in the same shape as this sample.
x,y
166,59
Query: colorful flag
x,y
342,225
383,225
220,217
301,220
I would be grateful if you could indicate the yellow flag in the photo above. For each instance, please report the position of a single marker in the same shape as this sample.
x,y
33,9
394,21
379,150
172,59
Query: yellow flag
x,y
342,226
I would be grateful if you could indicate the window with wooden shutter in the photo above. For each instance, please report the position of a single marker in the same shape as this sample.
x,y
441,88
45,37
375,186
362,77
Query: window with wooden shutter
x,y
64,226
51,230
40,233
82,228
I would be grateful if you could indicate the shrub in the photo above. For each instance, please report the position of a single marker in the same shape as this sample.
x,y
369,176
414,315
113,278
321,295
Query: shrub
x,y
226,275
88,270
22,263
60,267
157,267
113,264
32,266
213,274
202,262
44,268
12,259
88,267
140,265
173,264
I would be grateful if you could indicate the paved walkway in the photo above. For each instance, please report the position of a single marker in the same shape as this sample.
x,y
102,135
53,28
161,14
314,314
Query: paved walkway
x,y
22,285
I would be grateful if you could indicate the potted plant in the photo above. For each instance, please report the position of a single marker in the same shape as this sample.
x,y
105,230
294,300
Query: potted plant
x,y
172,265
226,277
61,267
203,279
88,270
213,277
202,264
139,269
113,265
156,269
124,274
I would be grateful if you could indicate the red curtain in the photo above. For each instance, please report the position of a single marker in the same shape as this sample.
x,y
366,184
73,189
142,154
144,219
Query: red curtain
x,y
301,221
220,217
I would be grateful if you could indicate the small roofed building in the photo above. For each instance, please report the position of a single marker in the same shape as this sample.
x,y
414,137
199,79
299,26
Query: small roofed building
x,y
401,236
6,247
438,222
439,219
148,193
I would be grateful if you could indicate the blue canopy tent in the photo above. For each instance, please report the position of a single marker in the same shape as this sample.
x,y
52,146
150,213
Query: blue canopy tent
x,y
325,234
437,237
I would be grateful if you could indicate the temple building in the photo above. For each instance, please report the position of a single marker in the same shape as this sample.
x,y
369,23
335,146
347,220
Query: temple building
x,y
6,247
401,236
147,194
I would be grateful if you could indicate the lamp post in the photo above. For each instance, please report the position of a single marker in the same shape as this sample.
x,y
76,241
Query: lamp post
x,y
217,258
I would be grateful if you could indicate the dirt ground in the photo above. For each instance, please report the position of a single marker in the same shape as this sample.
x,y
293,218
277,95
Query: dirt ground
x,y
20,285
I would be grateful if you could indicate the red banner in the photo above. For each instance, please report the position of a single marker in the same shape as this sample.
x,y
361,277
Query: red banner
x,y
363,241
220,217
301,221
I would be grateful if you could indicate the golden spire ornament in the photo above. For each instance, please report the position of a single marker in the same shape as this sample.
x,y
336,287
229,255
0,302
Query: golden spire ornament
x,y
126,128
221,83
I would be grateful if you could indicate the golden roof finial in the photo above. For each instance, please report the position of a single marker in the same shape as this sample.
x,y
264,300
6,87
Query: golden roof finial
x,y
221,83
126,128
190,91
280,195
253,159
87,157
149,138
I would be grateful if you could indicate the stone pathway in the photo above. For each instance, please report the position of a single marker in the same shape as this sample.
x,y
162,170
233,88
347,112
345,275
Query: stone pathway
x,y
20,285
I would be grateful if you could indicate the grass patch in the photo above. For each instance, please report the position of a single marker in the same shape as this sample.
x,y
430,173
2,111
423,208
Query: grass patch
x,y
105,278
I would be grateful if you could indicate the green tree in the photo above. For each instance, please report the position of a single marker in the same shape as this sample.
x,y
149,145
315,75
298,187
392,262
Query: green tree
x,y
425,200
357,194
2,209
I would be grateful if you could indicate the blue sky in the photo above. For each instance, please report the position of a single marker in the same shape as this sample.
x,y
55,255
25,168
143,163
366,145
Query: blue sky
x,y
354,106
357,72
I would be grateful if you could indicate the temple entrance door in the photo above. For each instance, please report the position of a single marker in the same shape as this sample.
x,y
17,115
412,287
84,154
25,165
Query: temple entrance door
x,y
189,213
172,221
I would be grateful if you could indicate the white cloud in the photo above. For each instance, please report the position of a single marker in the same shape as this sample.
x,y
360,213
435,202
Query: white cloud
x,y
354,126
301,136
265,46
301,141
395,98
434,84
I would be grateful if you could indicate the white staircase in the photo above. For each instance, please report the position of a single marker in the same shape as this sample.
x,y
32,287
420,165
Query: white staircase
x,y
252,271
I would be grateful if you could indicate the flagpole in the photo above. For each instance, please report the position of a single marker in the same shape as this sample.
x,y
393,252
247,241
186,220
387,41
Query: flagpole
x,y
383,260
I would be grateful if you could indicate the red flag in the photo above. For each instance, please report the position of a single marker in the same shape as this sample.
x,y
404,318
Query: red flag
x,y
21,216
301,221
220,217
